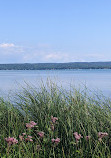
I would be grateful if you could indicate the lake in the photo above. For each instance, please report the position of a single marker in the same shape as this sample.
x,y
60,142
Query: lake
x,y
95,80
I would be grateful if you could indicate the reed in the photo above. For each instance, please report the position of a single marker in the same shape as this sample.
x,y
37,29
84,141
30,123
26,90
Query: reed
x,y
51,122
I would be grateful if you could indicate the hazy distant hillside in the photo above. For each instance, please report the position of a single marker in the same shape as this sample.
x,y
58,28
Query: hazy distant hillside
x,y
45,66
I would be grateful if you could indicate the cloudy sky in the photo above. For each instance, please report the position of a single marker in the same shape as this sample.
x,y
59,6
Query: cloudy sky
x,y
35,31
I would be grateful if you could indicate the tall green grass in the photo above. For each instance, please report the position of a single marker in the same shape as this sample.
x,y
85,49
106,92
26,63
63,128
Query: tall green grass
x,y
76,112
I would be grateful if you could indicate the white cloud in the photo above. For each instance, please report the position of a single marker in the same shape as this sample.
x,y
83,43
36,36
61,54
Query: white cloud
x,y
10,50
56,56
53,56
13,53
6,45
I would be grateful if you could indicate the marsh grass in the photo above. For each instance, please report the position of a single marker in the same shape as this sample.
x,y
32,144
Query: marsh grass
x,y
76,112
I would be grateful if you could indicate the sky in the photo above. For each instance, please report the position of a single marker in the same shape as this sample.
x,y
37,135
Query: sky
x,y
38,31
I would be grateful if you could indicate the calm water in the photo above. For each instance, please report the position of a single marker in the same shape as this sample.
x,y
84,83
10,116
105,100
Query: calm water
x,y
93,79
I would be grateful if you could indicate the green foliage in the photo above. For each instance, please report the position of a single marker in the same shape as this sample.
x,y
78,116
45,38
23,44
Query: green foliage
x,y
76,112
49,66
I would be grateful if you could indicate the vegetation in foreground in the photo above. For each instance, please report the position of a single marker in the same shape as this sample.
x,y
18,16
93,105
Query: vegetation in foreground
x,y
53,123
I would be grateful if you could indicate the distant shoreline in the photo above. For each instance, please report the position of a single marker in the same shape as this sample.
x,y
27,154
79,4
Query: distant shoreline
x,y
53,69
56,66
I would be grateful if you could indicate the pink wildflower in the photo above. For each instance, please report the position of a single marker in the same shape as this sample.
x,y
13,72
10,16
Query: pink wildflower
x,y
29,138
28,125
31,124
56,141
54,119
41,134
88,137
11,140
15,141
53,140
101,135
23,134
77,136
21,137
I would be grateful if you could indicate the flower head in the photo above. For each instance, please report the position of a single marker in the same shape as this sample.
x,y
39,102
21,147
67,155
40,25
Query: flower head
x,y
53,140
23,134
101,135
31,124
21,137
88,137
29,138
41,134
28,125
56,141
54,119
77,136
11,140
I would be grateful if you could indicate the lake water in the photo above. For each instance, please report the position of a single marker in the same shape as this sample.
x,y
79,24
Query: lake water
x,y
95,80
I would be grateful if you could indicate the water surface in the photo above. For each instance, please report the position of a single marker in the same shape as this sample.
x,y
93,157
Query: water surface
x,y
99,80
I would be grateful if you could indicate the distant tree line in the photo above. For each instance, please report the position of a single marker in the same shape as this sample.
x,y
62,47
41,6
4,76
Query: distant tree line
x,y
56,66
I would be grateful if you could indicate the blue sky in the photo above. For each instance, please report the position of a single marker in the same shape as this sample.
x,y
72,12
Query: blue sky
x,y
38,31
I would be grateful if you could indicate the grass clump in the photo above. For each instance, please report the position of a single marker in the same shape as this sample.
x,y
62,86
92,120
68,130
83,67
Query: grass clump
x,y
53,123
